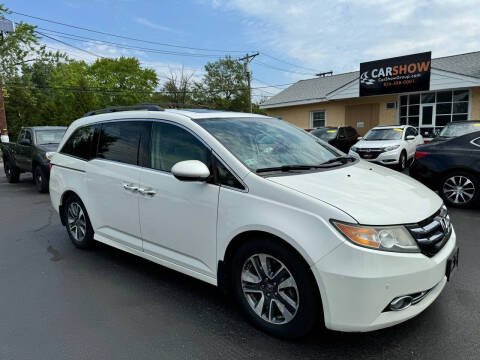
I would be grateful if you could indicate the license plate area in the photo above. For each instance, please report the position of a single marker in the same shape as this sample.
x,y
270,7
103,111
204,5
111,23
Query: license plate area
x,y
452,264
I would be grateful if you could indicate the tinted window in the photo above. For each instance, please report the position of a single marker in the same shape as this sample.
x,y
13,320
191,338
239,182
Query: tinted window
x,y
171,144
225,177
410,131
351,132
28,135
21,135
121,141
81,143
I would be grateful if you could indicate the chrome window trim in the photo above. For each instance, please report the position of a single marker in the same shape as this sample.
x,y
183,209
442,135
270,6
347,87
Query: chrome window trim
x,y
474,143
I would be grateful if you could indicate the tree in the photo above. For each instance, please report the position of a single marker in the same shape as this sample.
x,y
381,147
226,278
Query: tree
x,y
224,86
178,88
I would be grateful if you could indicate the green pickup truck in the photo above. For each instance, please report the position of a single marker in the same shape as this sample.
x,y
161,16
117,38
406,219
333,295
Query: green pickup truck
x,y
29,154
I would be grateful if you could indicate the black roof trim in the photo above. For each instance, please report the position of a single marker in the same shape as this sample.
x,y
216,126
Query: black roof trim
x,y
111,109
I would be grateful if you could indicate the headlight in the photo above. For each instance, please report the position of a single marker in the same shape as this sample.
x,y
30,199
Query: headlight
x,y
386,238
354,148
390,148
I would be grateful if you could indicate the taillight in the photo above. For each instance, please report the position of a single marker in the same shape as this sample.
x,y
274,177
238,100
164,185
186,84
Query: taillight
x,y
420,154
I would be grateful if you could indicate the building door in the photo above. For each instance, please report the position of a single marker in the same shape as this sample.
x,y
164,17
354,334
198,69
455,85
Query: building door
x,y
427,119
362,117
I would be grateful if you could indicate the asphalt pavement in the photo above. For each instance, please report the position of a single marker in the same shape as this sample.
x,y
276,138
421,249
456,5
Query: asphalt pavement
x,y
57,302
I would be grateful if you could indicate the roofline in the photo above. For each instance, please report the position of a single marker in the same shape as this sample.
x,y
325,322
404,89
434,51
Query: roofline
x,y
294,103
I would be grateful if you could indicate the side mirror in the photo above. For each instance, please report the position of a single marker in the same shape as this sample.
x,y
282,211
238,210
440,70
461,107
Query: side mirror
x,y
360,138
410,137
190,170
25,142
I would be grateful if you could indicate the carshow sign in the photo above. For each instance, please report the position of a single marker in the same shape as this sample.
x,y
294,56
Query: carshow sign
x,y
396,75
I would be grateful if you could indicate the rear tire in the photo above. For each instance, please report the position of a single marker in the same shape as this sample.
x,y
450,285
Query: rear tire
x,y
41,181
460,189
78,223
281,297
11,171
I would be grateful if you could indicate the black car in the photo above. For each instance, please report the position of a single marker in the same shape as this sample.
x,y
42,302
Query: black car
x,y
342,137
457,128
452,167
29,154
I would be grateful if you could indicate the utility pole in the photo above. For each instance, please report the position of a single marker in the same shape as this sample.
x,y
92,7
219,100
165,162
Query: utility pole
x,y
6,26
247,58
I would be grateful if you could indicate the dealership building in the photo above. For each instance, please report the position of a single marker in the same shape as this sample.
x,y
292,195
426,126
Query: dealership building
x,y
449,90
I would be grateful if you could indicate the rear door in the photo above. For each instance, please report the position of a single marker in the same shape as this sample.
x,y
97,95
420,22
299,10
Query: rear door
x,y
113,180
178,219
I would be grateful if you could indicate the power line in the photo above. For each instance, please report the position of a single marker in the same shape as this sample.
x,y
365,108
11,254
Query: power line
x,y
124,37
70,45
289,63
280,69
123,46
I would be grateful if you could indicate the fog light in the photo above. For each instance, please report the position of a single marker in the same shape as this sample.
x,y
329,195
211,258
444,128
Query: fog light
x,y
401,303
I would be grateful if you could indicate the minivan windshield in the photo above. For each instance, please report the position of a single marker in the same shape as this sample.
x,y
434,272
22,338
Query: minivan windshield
x,y
384,134
264,143
453,130
45,137
325,134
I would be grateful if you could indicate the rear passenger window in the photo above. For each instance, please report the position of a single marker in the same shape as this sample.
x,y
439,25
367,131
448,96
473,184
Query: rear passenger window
x,y
82,143
171,144
121,141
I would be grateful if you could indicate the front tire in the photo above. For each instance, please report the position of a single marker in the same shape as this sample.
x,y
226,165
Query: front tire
x,y
41,181
78,223
275,288
460,189
11,171
402,161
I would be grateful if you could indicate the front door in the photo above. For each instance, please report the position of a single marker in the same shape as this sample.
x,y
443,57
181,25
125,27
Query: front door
x,y
178,219
427,120
24,152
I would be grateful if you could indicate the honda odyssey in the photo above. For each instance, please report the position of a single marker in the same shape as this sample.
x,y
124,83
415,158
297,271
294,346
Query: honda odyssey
x,y
296,230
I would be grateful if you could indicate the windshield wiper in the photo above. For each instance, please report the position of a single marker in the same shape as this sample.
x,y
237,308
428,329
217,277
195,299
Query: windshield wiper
x,y
286,168
341,159
326,164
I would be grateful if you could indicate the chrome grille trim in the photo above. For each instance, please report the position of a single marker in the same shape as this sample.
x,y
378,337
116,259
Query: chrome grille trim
x,y
432,233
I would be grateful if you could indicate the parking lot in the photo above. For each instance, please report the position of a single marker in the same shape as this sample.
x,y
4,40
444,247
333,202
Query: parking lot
x,y
58,302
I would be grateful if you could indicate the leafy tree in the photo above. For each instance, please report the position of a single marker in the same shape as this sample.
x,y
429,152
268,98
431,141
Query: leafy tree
x,y
224,86
177,89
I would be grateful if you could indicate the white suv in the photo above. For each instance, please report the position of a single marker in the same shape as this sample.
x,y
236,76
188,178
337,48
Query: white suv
x,y
295,229
388,145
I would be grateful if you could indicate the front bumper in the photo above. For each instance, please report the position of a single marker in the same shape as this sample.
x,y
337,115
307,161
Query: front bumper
x,y
384,158
357,284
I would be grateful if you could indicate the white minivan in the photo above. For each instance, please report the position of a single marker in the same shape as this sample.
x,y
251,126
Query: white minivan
x,y
295,229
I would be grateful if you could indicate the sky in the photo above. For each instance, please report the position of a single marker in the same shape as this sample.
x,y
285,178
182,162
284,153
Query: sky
x,y
295,38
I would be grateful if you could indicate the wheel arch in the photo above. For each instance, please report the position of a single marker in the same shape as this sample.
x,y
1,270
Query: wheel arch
x,y
224,264
61,211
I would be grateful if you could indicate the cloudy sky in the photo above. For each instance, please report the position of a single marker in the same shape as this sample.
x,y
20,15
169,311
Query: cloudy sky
x,y
295,39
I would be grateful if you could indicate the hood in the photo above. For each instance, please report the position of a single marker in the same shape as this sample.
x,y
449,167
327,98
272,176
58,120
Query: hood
x,y
362,144
371,194
48,147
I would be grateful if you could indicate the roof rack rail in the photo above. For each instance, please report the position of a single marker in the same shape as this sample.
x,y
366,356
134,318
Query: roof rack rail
x,y
110,109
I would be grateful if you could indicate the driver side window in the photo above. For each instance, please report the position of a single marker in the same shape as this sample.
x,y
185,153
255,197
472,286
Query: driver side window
x,y
171,144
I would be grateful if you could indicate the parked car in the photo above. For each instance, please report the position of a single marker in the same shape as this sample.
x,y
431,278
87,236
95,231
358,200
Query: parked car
x,y
457,128
452,167
342,137
388,145
29,154
294,228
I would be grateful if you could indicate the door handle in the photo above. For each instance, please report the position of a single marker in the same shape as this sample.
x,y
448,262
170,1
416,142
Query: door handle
x,y
130,187
148,192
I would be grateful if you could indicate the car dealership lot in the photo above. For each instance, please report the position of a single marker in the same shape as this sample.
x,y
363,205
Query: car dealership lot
x,y
60,302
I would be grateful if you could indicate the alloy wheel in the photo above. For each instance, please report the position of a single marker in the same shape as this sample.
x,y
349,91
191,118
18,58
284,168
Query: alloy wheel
x,y
77,223
459,189
270,289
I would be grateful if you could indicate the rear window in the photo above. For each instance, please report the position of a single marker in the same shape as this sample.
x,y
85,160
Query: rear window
x,y
120,141
453,130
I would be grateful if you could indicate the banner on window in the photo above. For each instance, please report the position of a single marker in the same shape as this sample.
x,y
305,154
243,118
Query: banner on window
x,y
396,75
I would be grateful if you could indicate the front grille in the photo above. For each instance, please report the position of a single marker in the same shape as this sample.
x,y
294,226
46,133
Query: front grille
x,y
432,233
369,153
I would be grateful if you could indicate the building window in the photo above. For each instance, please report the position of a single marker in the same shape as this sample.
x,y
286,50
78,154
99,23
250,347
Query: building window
x,y
430,111
318,119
